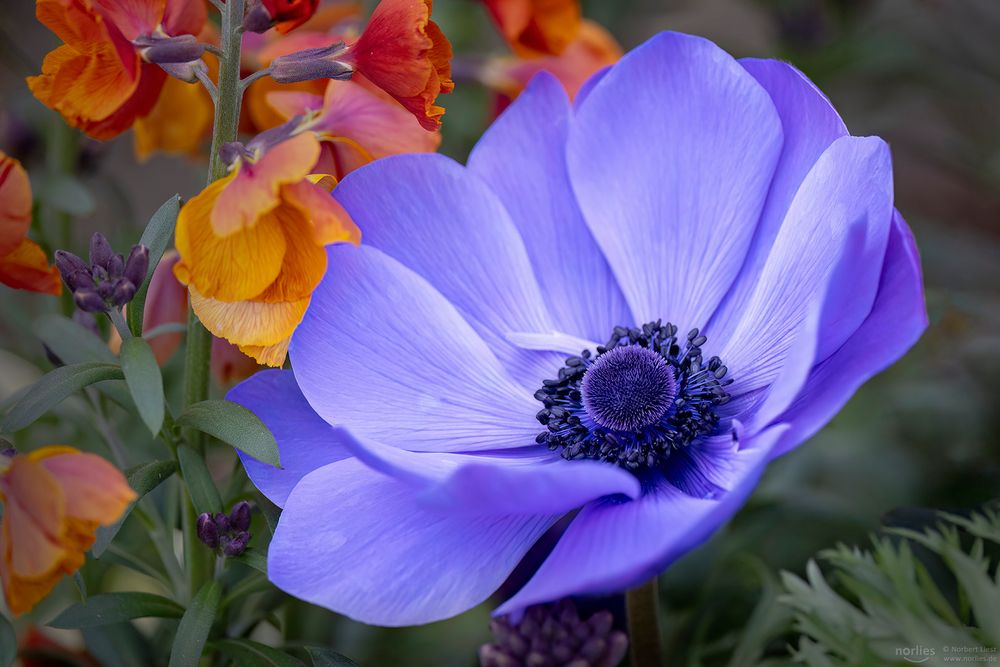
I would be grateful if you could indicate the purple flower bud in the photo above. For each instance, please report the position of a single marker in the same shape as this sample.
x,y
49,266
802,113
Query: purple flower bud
x,y
221,522
123,292
208,533
237,544
74,271
100,251
239,516
310,64
88,300
106,289
186,72
169,50
116,266
136,265
257,19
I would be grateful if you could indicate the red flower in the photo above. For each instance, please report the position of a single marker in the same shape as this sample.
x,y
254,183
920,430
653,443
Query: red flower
x,y
405,54
536,27
289,14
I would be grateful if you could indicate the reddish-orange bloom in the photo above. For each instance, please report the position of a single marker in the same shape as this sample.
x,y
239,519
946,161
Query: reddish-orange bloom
x,y
357,123
251,246
289,14
592,50
534,27
54,499
23,264
97,80
405,54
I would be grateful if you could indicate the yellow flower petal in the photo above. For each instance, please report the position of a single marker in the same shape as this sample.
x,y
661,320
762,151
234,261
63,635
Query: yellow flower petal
x,y
253,323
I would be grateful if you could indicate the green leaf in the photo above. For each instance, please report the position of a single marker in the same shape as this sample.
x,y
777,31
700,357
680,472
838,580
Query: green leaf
x,y
66,194
142,479
255,559
8,642
52,388
204,495
72,342
235,425
325,657
156,237
107,608
195,626
119,645
142,374
247,652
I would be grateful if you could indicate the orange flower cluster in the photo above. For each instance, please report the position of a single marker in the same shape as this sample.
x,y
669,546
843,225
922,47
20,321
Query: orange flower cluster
x,y
54,499
98,79
23,264
251,245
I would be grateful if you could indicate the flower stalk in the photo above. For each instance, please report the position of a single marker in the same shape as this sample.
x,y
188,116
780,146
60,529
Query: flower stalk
x,y
642,608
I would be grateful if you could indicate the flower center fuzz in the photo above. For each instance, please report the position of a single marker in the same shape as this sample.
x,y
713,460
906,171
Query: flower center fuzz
x,y
639,398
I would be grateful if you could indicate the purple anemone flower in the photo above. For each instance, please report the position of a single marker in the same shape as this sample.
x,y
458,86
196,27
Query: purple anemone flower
x,y
625,306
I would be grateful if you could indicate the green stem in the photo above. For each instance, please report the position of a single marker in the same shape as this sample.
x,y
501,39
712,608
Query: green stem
x,y
642,605
198,354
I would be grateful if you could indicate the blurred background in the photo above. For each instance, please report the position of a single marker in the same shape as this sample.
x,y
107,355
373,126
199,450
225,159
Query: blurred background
x,y
923,74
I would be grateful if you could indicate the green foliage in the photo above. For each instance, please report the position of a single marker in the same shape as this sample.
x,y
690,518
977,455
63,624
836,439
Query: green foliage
x,y
204,495
234,425
880,607
107,608
156,237
143,479
142,375
52,389
195,626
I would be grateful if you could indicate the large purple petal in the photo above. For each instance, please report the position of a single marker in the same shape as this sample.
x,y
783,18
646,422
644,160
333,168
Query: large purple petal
x,y
612,545
523,158
445,223
535,481
353,540
305,441
895,323
851,184
810,125
670,156
383,353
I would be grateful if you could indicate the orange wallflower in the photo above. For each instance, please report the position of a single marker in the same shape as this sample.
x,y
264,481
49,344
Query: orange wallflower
x,y
592,50
23,264
180,121
357,123
405,54
54,499
251,246
97,79
534,27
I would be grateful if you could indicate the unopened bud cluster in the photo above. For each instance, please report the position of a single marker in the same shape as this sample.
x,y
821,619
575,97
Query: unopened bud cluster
x,y
109,281
552,636
227,534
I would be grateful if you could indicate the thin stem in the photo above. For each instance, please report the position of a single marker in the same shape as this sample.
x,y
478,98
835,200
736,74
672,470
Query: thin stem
x,y
163,540
218,5
642,605
118,320
213,49
202,76
250,78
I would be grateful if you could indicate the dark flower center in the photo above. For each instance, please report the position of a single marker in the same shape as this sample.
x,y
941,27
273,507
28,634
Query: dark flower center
x,y
639,398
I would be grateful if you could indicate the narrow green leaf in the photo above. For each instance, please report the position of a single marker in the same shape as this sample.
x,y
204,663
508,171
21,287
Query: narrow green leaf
x,y
204,495
142,374
234,425
142,479
326,657
119,645
156,237
248,652
255,559
52,388
72,342
65,193
8,642
195,626
107,608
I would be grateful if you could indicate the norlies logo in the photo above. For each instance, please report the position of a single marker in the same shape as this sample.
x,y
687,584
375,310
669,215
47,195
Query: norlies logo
x,y
915,654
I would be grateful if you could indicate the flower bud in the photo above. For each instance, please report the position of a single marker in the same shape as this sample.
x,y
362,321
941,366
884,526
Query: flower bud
x,y
74,271
88,300
123,292
100,251
116,266
310,64
170,50
221,522
208,533
239,516
236,544
137,265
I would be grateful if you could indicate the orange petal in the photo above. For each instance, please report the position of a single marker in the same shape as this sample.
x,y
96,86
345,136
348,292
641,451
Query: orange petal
x,y
27,268
305,260
272,355
179,122
94,490
33,517
330,222
253,191
249,322
15,203
536,27
237,267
